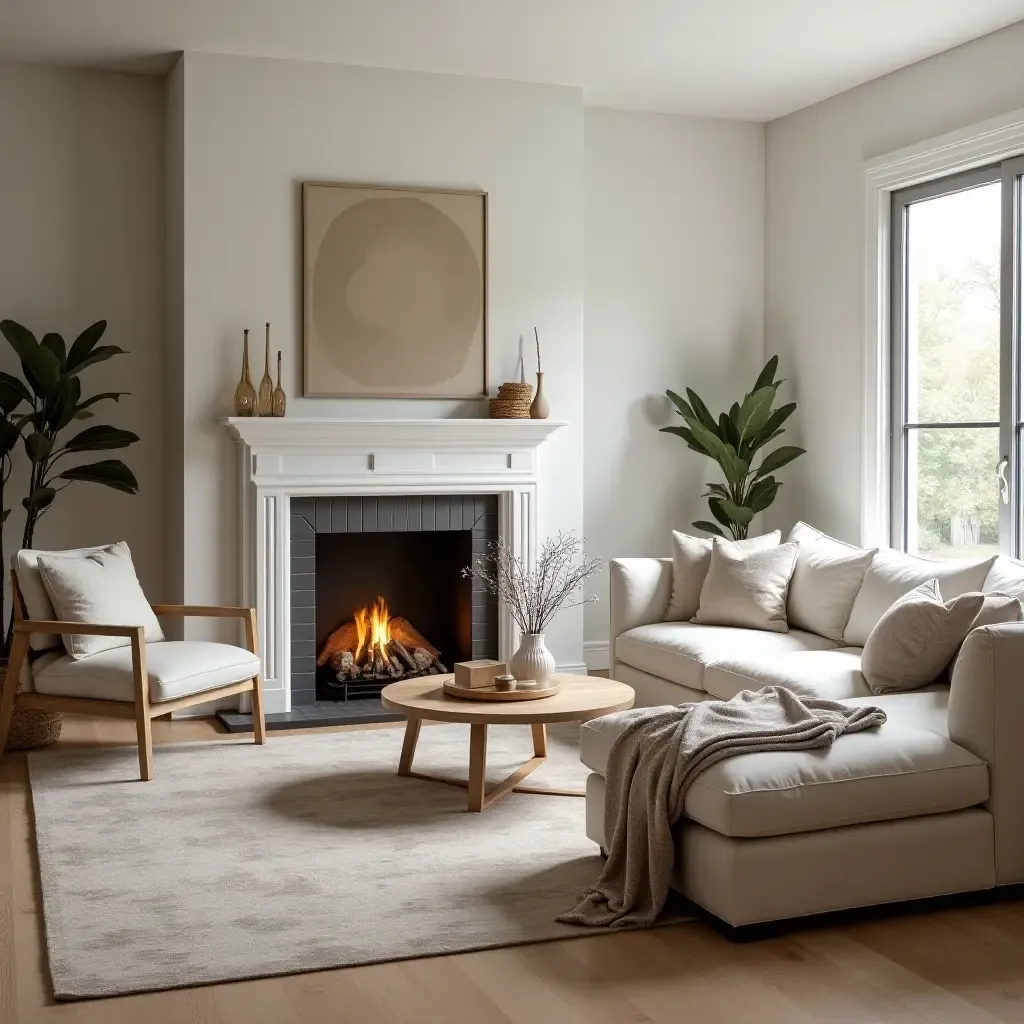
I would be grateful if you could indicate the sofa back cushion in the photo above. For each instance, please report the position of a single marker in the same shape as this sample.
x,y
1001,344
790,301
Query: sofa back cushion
x,y
916,639
747,588
826,582
892,574
1005,577
691,559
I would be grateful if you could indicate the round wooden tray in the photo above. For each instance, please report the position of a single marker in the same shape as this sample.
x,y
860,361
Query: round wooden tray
x,y
490,693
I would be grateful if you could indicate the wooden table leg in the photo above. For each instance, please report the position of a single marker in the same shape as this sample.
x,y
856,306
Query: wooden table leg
x,y
477,766
540,739
412,734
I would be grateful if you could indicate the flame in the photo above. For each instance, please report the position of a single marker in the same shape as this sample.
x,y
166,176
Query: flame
x,y
373,630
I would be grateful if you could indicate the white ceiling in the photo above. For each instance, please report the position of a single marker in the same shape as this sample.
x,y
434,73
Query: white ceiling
x,y
753,59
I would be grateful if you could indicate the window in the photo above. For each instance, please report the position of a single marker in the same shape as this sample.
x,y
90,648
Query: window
x,y
956,378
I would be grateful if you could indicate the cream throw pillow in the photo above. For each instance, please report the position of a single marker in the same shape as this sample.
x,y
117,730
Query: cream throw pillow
x,y
826,582
747,588
691,559
997,608
99,586
916,639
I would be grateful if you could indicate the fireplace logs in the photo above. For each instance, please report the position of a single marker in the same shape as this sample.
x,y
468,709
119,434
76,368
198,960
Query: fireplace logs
x,y
380,647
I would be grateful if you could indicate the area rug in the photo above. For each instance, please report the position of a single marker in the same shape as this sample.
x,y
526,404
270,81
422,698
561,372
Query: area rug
x,y
240,861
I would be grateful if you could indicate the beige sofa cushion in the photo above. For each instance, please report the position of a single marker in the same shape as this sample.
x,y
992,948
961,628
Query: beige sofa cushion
x,y
680,651
905,768
176,668
1005,577
825,583
893,574
747,588
832,675
691,559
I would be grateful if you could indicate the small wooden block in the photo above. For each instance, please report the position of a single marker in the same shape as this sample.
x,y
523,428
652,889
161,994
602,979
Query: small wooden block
x,y
470,674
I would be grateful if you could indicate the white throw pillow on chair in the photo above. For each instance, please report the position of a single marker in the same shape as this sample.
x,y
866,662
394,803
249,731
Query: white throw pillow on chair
x,y
99,586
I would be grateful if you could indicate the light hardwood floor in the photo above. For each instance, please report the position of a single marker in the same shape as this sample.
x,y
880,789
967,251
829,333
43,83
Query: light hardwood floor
x,y
963,966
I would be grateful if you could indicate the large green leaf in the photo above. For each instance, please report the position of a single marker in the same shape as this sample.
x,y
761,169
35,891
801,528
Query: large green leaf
x,y
762,494
727,430
703,524
55,343
715,504
687,435
778,458
701,410
100,438
61,410
40,365
38,446
724,454
755,410
39,499
721,491
9,435
767,375
97,355
111,473
739,514
682,407
775,421
84,344
11,386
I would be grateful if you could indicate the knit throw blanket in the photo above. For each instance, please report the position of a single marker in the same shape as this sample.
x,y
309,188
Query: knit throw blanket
x,y
652,764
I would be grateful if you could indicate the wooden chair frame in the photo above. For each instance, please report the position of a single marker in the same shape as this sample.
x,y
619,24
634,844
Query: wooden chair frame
x,y
140,708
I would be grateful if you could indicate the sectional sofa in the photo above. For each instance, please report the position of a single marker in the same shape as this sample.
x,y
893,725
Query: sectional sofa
x,y
931,803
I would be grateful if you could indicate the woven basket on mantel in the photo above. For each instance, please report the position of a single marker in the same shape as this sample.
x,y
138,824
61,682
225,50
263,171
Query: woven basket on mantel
x,y
30,728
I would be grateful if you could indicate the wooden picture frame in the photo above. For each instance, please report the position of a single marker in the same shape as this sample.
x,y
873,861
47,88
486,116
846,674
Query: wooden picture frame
x,y
394,292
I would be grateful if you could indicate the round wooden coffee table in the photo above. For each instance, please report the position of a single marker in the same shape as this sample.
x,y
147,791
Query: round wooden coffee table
x,y
579,699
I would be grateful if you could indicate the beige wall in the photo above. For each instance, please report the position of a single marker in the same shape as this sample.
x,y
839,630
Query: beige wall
x,y
674,298
815,249
81,239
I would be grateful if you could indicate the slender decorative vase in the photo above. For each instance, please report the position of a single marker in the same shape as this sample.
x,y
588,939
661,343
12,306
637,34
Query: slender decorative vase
x,y
539,406
245,393
533,660
265,399
279,398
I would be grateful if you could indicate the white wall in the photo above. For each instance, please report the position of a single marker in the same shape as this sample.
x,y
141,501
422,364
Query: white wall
x,y
674,298
81,224
815,250
253,130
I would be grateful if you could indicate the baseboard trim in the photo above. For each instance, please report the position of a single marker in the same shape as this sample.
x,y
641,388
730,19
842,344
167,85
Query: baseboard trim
x,y
596,654
573,668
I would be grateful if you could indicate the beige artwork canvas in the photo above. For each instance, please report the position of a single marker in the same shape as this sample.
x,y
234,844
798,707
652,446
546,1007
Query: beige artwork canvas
x,y
394,292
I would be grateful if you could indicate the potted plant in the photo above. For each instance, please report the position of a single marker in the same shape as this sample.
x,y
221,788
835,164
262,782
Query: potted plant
x,y
534,596
733,439
42,410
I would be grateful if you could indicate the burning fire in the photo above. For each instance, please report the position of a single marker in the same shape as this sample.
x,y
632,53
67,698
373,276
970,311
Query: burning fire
x,y
373,630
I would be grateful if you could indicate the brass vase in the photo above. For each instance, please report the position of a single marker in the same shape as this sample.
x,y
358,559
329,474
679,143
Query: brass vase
x,y
265,398
279,398
245,393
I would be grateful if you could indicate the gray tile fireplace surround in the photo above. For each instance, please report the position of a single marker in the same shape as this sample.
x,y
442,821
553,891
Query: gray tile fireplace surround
x,y
476,513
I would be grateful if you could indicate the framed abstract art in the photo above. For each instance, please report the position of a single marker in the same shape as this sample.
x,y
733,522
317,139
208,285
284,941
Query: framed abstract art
x,y
394,292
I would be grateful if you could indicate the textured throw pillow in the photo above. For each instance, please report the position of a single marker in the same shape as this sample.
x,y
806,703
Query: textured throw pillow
x,y
997,608
99,587
691,558
826,582
916,639
747,588
892,574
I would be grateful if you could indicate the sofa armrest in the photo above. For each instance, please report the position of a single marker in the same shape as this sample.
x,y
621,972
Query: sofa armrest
x,y
638,593
986,716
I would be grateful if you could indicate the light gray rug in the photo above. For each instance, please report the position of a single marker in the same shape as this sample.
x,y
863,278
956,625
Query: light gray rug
x,y
240,861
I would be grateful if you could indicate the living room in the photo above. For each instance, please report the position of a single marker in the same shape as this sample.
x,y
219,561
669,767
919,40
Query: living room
x,y
266,207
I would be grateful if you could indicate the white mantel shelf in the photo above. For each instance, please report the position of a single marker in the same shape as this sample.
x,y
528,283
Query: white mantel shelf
x,y
292,456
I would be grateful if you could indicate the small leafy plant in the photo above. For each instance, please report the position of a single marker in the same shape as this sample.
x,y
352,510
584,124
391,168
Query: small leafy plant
x,y
52,393
733,439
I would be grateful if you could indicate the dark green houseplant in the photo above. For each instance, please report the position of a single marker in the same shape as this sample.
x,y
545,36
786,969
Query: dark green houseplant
x,y
734,440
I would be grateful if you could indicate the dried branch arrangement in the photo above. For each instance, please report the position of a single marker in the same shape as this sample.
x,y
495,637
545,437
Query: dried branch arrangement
x,y
534,596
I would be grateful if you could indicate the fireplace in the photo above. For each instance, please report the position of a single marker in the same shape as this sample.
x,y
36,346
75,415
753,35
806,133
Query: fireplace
x,y
377,592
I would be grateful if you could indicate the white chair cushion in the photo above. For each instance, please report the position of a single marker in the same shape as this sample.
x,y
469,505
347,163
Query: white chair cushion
x,y
893,574
831,675
98,587
176,668
825,583
680,651
907,767
25,564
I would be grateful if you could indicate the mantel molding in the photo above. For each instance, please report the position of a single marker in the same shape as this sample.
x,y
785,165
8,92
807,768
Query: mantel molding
x,y
269,434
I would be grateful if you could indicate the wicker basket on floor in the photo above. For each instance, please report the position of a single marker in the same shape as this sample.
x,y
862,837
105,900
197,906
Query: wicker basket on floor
x,y
31,729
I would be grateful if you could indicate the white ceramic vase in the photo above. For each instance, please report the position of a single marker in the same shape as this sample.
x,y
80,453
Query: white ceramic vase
x,y
533,660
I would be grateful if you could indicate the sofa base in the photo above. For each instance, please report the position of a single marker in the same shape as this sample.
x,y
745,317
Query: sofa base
x,y
775,878
653,691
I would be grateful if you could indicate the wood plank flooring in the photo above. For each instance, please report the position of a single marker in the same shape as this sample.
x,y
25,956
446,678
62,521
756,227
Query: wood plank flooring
x,y
962,966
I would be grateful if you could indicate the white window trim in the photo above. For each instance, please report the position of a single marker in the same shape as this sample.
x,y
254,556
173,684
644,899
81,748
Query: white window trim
x,y
981,144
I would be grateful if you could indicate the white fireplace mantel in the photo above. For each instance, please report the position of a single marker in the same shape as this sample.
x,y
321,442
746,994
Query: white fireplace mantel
x,y
282,458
